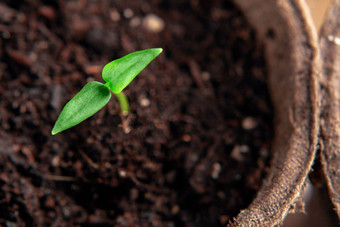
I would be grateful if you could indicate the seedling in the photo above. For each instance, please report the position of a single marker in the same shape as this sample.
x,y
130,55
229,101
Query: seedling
x,y
95,95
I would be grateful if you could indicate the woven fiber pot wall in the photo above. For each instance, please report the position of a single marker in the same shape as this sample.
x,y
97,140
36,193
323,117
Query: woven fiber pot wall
x,y
290,39
330,113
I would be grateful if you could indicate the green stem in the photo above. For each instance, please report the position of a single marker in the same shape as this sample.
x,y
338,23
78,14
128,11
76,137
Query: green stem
x,y
124,103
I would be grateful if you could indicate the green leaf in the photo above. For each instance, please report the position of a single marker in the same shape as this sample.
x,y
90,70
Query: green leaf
x,y
83,105
119,73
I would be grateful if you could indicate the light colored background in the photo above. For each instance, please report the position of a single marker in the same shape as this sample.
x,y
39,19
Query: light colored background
x,y
318,10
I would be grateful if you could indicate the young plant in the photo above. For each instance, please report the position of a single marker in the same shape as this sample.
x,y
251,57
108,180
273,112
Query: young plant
x,y
95,95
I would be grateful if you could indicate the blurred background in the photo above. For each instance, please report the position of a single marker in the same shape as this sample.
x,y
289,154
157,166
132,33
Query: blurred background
x,y
318,9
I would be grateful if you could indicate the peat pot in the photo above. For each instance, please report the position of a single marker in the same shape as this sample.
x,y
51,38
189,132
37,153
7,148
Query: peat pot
x,y
304,87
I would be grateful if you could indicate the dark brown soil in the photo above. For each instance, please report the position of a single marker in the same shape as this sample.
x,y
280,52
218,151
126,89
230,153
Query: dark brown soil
x,y
200,127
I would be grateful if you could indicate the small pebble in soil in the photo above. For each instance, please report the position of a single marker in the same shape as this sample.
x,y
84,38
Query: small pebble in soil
x,y
122,173
144,102
56,161
334,39
249,123
238,152
153,23
114,15
56,99
216,170
128,13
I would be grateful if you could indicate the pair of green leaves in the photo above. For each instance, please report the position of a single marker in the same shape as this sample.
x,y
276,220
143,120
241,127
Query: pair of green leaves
x,y
95,95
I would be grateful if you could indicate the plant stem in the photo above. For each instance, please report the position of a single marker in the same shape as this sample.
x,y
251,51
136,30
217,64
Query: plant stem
x,y
124,103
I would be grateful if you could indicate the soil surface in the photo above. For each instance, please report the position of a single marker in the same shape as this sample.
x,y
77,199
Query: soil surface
x,y
195,148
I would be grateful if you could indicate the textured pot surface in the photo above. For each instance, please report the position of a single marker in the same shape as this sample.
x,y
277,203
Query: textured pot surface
x,y
330,114
293,62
